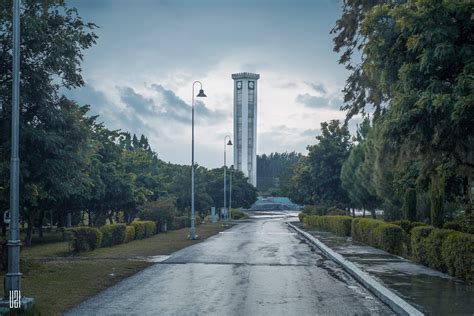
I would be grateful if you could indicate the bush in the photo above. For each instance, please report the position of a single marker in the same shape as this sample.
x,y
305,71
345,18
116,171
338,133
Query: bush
x,y
407,226
85,238
129,233
180,222
238,214
112,234
333,211
144,229
418,243
378,234
463,223
458,255
340,225
434,242
452,225
301,216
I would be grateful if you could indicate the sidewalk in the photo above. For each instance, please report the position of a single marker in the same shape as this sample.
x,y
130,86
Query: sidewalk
x,y
430,291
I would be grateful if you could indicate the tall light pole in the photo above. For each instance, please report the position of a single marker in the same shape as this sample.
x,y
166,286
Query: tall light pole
x,y
13,276
230,193
192,234
225,167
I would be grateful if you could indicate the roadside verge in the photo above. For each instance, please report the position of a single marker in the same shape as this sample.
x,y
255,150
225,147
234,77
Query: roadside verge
x,y
396,303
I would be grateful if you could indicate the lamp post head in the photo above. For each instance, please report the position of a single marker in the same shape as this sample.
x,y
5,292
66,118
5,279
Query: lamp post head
x,y
201,94
229,143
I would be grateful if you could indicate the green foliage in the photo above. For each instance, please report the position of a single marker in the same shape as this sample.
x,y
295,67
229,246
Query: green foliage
x,y
458,255
407,226
335,211
315,178
112,234
144,229
379,234
434,243
418,243
409,205
463,223
162,210
271,168
180,222
237,214
85,238
340,225
129,233
301,216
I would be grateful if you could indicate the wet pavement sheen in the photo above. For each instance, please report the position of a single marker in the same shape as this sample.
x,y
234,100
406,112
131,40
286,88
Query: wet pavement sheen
x,y
257,267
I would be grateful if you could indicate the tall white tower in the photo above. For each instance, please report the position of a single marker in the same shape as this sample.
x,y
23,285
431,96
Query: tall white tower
x,y
245,124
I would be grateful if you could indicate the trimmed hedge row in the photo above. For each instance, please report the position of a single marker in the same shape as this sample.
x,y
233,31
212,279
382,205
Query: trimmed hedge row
x,y
340,225
445,250
379,234
89,238
112,234
144,229
301,216
85,238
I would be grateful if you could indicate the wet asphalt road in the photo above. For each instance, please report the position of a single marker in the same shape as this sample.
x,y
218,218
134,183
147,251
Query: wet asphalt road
x,y
258,267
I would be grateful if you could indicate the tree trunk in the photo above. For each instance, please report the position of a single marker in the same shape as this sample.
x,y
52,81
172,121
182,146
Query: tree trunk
x,y
437,200
69,219
353,212
89,215
40,224
363,212
374,215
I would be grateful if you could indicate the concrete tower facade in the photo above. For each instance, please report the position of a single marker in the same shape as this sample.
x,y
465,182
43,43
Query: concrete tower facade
x,y
245,124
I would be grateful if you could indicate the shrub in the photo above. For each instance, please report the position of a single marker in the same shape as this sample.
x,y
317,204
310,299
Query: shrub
x,y
434,242
180,222
335,211
458,255
409,205
112,234
378,234
301,216
340,225
452,225
238,214
407,226
85,238
144,229
418,243
129,233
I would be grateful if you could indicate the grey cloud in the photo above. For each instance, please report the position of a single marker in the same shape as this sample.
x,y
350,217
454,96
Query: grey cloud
x,y
318,87
312,101
312,132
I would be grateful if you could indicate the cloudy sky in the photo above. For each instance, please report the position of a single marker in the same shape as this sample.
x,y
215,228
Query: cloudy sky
x,y
139,75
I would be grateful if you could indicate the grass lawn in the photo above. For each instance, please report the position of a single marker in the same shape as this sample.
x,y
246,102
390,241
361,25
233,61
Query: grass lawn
x,y
59,279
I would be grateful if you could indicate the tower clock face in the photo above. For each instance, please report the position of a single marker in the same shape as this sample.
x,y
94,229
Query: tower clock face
x,y
251,84
239,85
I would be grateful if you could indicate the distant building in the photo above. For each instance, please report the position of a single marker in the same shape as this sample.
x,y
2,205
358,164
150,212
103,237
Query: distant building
x,y
245,124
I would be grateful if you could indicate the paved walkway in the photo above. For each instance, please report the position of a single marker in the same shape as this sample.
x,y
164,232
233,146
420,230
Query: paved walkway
x,y
255,268
430,291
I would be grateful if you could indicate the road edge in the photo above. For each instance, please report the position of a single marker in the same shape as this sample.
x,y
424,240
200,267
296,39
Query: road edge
x,y
395,302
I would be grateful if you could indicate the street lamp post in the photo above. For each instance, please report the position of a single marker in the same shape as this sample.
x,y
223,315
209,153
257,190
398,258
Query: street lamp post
x,y
13,276
12,285
230,193
225,167
192,234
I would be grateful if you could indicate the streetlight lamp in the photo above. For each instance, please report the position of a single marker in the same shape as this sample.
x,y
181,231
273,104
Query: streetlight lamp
x,y
225,166
12,284
192,234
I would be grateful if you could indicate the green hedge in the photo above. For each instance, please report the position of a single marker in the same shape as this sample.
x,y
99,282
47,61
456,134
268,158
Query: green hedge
x,y
378,234
112,234
340,225
418,243
144,229
180,222
458,254
407,226
85,238
444,250
129,233
301,216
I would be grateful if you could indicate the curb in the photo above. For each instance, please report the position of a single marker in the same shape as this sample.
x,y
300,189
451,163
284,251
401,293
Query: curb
x,y
395,302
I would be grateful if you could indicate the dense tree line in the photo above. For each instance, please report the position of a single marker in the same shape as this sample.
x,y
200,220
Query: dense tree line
x,y
411,77
272,170
72,166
